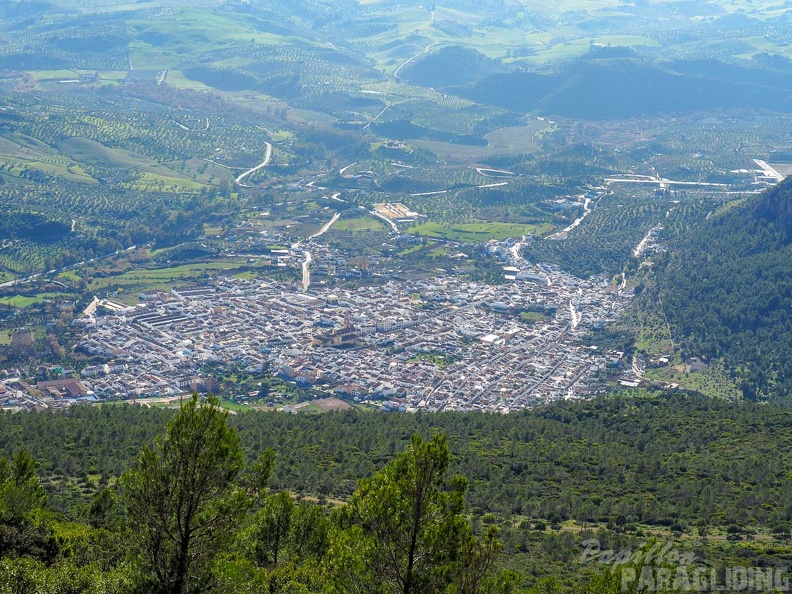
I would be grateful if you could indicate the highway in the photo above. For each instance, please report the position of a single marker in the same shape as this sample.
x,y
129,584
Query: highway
x,y
661,181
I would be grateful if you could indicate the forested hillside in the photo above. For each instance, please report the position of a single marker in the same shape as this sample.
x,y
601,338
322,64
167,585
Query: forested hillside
x,y
492,503
659,460
192,516
727,292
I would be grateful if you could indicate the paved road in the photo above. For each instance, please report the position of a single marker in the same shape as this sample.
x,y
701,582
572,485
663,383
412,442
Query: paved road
x,y
264,163
769,170
637,370
327,226
563,233
384,109
485,171
91,309
662,182
343,169
306,270
576,317
386,219
426,50
642,244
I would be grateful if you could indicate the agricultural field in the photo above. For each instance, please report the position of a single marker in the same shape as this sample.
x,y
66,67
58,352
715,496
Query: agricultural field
x,y
130,284
478,232
604,241
101,173
713,382
508,140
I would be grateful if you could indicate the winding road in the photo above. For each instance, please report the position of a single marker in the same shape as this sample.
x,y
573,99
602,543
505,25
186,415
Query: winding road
x,y
586,211
426,50
486,172
326,227
343,169
264,163
393,226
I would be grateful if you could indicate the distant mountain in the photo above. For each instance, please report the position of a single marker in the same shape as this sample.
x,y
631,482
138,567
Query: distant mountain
x,y
618,87
727,292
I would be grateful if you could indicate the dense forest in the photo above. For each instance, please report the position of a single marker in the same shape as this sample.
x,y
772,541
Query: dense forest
x,y
726,290
589,461
191,516
530,488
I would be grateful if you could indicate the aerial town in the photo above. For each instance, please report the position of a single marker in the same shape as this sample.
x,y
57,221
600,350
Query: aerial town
x,y
439,344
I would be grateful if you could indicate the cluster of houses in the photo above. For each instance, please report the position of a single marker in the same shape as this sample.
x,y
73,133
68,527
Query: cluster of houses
x,y
445,343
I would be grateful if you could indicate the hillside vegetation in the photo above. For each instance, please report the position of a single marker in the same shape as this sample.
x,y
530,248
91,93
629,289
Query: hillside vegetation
x,y
502,503
726,292
657,460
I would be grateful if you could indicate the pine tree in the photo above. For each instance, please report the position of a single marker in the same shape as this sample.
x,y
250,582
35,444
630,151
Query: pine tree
x,y
408,533
185,497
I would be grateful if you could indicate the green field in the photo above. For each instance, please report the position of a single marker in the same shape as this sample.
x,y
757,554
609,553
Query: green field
x,y
57,74
478,232
19,152
190,32
177,80
150,181
160,279
96,154
511,140
233,406
21,301
69,275
358,224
